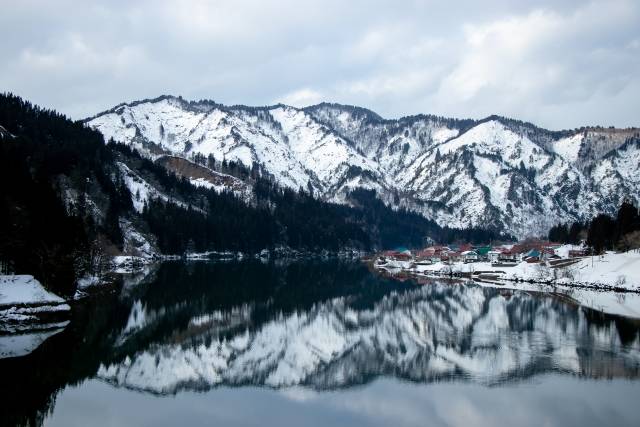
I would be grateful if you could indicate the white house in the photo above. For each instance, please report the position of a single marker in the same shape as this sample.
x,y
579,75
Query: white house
x,y
493,256
469,256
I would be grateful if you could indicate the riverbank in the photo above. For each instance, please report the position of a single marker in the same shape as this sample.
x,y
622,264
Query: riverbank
x,y
619,272
23,298
608,283
29,314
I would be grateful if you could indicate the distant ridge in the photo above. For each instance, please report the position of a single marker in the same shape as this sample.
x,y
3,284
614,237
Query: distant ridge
x,y
495,172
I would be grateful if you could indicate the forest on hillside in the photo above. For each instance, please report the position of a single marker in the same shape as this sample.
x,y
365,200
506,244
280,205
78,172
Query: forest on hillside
x,y
63,199
603,232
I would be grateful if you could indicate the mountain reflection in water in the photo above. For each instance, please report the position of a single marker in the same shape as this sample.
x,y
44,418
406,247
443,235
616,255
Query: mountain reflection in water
x,y
433,332
319,326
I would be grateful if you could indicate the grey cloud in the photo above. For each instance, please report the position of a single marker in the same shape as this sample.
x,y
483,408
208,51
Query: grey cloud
x,y
557,63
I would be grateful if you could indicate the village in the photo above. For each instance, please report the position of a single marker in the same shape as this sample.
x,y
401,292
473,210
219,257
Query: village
x,y
530,261
504,255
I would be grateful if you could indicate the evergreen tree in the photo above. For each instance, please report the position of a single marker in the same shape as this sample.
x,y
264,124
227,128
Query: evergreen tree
x,y
601,233
627,219
574,233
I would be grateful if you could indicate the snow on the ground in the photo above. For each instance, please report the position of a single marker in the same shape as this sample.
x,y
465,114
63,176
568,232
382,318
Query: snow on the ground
x,y
25,289
201,182
23,344
622,269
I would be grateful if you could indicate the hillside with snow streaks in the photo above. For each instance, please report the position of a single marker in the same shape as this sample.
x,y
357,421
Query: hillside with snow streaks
x,y
495,172
431,333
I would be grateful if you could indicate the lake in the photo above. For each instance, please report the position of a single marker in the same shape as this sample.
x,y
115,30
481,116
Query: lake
x,y
324,343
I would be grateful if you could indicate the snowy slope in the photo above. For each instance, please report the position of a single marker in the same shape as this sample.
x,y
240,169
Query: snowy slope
x,y
495,172
568,148
287,142
142,191
25,289
491,175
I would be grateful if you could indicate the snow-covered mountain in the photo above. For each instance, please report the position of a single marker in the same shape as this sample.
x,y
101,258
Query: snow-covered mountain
x,y
430,333
494,172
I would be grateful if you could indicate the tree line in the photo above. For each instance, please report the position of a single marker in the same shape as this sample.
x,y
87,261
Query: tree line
x,y
603,232
45,159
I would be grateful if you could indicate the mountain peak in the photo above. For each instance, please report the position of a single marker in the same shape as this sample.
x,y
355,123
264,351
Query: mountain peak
x,y
515,177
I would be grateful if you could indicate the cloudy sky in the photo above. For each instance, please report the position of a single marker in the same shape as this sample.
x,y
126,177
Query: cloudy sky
x,y
559,64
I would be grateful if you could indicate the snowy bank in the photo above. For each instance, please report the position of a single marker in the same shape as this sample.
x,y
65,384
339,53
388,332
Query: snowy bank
x,y
23,289
23,301
29,314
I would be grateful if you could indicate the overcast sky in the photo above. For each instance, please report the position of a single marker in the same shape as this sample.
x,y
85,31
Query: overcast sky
x,y
559,64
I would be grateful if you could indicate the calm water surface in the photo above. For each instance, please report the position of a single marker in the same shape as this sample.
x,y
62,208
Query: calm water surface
x,y
324,343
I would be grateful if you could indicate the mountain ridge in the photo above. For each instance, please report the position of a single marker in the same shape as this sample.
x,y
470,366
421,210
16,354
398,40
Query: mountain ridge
x,y
366,110
494,172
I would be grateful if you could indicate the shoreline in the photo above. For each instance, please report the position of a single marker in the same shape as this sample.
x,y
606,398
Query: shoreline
x,y
605,287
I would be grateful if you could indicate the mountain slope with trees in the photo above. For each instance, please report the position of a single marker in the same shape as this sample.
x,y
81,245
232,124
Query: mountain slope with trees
x,y
68,201
603,232
496,172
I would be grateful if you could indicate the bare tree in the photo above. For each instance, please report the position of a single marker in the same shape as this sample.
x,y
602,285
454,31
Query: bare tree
x,y
96,261
542,273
